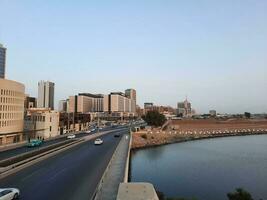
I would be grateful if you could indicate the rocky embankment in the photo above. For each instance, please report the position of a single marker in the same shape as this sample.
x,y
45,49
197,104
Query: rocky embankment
x,y
145,139
190,129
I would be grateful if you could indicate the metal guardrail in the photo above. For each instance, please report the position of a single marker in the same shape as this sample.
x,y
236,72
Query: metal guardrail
x,y
23,156
5,171
22,164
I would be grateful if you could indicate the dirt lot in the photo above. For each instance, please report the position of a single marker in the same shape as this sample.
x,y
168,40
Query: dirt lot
x,y
183,130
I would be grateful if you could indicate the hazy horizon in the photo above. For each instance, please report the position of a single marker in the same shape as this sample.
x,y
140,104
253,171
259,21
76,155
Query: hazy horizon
x,y
212,52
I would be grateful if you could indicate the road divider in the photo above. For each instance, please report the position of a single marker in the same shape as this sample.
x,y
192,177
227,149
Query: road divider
x,y
12,165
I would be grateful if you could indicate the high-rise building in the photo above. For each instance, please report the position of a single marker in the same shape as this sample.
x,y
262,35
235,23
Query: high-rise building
x,y
2,61
46,95
118,102
131,94
86,102
184,108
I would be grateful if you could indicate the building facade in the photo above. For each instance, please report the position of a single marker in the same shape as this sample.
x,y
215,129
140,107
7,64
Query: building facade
x,y
46,92
184,108
2,61
12,95
30,102
131,94
213,113
62,106
41,123
119,104
85,103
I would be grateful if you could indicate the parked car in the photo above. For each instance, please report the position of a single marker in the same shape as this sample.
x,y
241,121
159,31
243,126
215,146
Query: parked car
x,y
34,143
9,194
88,131
72,136
98,141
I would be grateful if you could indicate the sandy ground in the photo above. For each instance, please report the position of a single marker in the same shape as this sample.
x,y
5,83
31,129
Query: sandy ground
x,y
182,130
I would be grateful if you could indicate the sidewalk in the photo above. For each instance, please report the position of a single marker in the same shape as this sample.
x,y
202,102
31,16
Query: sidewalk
x,y
114,174
12,146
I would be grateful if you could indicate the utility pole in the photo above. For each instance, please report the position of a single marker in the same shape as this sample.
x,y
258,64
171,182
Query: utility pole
x,y
68,128
73,122
98,122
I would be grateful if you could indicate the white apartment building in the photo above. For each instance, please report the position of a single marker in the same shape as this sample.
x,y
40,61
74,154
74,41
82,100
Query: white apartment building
x,y
42,123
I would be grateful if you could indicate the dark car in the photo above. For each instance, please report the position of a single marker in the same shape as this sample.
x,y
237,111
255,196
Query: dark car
x,y
117,135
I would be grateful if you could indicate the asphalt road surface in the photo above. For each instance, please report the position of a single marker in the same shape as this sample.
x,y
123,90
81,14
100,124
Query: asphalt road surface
x,y
20,150
70,175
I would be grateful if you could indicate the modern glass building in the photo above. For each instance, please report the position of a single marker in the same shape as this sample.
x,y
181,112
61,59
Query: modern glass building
x,y
2,61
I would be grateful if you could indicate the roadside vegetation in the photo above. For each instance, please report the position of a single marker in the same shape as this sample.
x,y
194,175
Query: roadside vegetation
x,y
154,118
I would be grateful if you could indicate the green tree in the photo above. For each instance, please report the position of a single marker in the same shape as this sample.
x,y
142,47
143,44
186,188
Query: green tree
x,y
239,194
154,118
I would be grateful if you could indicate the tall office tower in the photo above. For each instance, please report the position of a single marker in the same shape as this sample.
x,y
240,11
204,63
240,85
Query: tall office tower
x,y
184,108
2,61
46,94
131,94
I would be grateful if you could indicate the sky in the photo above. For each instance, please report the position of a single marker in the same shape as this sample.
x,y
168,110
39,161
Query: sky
x,y
213,52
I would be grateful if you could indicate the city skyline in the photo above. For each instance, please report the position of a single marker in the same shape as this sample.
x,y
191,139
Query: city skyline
x,y
212,53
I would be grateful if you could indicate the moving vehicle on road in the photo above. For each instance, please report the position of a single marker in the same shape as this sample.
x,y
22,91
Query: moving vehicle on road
x,y
71,136
98,141
34,143
117,135
9,194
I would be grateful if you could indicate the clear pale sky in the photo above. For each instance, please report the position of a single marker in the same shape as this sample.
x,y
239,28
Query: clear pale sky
x,y
215,52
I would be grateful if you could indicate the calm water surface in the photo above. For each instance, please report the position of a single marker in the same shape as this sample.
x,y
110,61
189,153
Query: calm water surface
x,y
205,169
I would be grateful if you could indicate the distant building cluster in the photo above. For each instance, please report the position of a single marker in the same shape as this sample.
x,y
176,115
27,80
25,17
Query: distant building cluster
x,y
23,117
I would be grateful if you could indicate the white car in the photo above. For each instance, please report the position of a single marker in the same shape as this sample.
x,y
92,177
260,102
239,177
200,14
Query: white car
x,y
9,193
88,131
72,136
98,141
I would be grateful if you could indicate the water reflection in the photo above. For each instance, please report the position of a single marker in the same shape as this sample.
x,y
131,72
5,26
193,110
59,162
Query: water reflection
x,y
206,169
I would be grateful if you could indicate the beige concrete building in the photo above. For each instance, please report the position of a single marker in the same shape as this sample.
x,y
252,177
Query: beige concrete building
x,y
85,102
117,102
131,94
42,123
12,96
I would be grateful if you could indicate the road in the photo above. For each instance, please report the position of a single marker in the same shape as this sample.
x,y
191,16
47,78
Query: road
x,y
20,150
72,174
